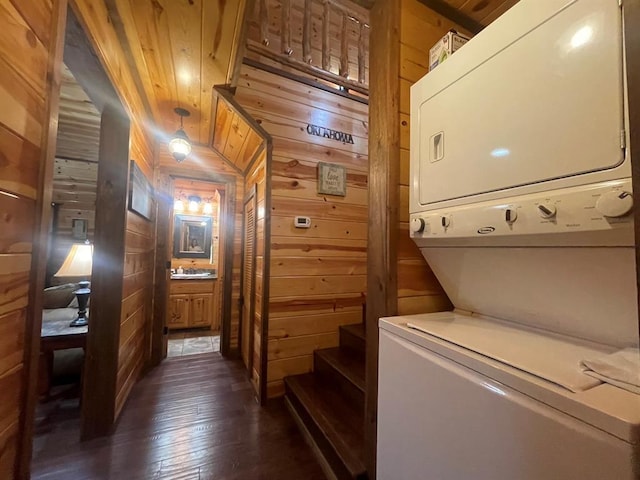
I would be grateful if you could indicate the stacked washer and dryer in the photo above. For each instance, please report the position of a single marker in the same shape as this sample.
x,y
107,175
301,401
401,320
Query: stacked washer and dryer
x,y
520,202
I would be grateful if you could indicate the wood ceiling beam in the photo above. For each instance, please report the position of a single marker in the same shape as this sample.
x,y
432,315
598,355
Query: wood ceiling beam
x,y
453,14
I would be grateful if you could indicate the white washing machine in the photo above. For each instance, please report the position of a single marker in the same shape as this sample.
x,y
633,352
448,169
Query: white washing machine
x,y
479,399
520,202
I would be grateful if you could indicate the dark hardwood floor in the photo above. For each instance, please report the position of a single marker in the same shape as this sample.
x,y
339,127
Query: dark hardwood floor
x,y
191,418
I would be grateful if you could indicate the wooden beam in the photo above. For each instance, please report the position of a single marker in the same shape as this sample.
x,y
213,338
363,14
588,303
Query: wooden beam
x,y
631,10
40,239
453,14
384,166
103,340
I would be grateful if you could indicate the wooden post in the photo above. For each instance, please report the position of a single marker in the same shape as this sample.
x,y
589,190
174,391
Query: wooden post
x,y
384,166
285,28
632,43
306,32
103,340
344,47
326,46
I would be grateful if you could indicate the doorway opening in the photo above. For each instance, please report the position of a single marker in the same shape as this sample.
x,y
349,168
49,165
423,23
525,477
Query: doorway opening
x,y
194,316
84,265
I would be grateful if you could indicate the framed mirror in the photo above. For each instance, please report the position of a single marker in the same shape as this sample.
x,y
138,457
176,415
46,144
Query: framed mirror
x,y
191,236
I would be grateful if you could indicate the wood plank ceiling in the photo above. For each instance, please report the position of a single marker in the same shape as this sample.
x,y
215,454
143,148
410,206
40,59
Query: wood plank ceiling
x,y
181,49
233,137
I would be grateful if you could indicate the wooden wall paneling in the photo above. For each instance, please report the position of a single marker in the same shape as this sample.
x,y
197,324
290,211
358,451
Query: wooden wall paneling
x,y
311,272
30,50
631,9
100,379
384,152
417,286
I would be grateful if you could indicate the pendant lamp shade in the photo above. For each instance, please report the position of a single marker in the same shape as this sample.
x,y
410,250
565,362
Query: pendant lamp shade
x,y
179,145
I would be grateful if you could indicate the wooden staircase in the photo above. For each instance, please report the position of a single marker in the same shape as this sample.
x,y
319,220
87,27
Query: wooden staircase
x,y
328,404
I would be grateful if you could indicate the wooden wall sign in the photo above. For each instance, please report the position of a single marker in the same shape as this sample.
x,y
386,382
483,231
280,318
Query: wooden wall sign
x,y
332,179
328,133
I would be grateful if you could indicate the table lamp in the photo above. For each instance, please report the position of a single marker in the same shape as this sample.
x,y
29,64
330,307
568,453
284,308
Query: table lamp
x,y
78,264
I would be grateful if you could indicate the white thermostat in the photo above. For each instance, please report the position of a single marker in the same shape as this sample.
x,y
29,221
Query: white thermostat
x,y
302,222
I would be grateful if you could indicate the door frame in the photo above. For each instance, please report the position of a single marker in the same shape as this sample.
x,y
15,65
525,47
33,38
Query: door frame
x,y
251,196
161,287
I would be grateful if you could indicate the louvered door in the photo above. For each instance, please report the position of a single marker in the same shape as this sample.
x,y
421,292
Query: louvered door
x,y
248,279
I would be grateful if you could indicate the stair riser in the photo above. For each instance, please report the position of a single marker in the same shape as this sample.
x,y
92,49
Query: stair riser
x,y
318,437
324,369
354,342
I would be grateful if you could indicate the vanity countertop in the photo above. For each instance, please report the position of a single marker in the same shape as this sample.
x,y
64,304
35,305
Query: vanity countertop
x,y
194,276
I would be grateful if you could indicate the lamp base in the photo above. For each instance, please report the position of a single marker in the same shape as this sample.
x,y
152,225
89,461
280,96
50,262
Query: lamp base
x,y
79,322
82,294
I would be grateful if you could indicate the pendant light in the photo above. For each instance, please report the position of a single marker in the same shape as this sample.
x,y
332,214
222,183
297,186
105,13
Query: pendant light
x,y
179,145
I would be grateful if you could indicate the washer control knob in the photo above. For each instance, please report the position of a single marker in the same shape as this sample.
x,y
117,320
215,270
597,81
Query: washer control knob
x,y
546,210
417,225
445,221
615,204
510,215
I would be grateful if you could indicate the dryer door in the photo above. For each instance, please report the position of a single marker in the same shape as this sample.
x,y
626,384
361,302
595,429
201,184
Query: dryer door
x,y
535,97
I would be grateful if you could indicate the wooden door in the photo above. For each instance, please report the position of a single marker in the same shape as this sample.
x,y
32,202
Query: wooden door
x,y
201,310
248,279
178,311
164,236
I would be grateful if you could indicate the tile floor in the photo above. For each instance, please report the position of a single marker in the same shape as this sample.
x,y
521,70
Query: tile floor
x,y
192,343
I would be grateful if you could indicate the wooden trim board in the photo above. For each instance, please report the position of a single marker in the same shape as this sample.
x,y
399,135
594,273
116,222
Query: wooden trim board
x,y
384,171
40,240
101,363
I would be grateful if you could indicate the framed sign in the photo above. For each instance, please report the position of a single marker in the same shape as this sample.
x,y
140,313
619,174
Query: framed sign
x,y
191,236
332,179
79,228
140,192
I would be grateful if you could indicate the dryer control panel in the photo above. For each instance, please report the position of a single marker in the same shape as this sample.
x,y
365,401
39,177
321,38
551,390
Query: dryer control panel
x,y
600,212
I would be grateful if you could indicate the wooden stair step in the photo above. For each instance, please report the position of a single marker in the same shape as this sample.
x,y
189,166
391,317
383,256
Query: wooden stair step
x,y
353,336
335,425
343,369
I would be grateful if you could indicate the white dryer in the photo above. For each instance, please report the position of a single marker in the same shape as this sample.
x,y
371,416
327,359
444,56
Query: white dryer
x,y
520,202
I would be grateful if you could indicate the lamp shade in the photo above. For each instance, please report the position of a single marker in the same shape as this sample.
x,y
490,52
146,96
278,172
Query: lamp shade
x,y
78,262
179,146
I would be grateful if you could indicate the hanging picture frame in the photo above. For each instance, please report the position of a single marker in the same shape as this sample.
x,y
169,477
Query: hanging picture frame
x,y
140,192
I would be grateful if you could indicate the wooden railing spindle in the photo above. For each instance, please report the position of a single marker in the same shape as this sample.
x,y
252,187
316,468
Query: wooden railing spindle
x,y
313,40
344,47
326,46
361,53
306,31
285,28
264,23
